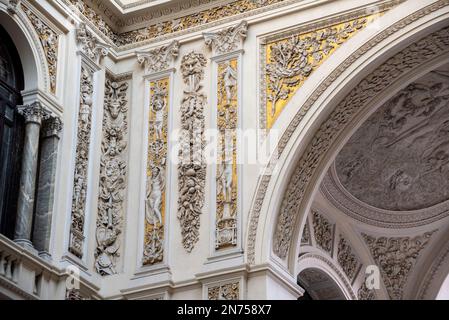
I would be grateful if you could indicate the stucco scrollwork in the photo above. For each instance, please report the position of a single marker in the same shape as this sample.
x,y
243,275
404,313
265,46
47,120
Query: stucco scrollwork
x,y
395,257
158,59
112,177
12,6
49,41
191,167
346,258
414,55
81,163
229,291
90,45
323,232
228,39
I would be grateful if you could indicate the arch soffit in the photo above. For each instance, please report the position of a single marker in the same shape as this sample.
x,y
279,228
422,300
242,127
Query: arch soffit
x,y
288,147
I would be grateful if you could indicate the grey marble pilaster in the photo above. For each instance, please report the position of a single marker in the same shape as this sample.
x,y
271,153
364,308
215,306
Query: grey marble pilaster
x,y
46,185
33,114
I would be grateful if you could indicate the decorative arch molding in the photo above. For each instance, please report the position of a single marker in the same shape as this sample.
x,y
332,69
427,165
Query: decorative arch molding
x,y
435,276
419,53
33,57
319,150
323,263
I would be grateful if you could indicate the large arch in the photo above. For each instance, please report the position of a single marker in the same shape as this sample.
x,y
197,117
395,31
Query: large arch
x,y
274,227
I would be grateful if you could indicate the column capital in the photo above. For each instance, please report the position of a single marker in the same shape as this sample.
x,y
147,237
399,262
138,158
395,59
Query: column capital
x,y
52,127
34,112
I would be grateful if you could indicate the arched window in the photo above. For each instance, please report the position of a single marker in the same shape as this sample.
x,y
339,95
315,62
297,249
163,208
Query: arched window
x,y
11,131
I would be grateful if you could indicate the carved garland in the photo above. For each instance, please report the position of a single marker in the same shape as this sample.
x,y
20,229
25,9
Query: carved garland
x,y
112,177
265,179
192,167
81,163
395,258
49,41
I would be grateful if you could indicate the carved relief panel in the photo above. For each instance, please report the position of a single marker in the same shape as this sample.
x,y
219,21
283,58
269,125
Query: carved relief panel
x,y
113,168
49,40
288,60
226,45
158,69
192,166
155,204
84,125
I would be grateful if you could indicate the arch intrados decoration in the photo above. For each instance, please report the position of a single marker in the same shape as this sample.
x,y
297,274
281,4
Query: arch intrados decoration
x,y
313,260
289,224
338,128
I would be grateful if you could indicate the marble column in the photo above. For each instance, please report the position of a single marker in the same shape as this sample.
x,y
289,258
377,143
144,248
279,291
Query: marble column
x,y
46,185
33,114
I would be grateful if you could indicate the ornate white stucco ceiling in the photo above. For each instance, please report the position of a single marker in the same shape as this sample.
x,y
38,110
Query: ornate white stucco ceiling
x,y
398,160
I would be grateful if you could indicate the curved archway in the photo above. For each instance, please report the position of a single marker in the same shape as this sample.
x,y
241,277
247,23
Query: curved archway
x,y
29,51
318,285
276,238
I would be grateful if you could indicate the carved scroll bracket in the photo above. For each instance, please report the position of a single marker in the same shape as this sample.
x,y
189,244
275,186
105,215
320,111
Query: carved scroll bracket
x,y
90,46
227,40
159,59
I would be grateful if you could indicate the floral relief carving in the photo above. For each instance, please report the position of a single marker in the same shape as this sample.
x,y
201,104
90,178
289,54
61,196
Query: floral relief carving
x,y
91,46
155,204
113,166
347,259
158,59
289,62
395,257
323,232
228,39
406,60
229,291
81,163
366,294
49,40
191,167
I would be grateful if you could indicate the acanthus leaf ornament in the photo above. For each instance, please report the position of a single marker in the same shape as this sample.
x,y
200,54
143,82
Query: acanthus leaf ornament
x,y
158,59
90,45
81,163
323,232
395,257
226,40
49,40
113,166
228,291
191,167
346,258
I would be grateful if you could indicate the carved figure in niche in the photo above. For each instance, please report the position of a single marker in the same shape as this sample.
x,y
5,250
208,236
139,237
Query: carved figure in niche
x,y
230,82
158,105
154,196
226,172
